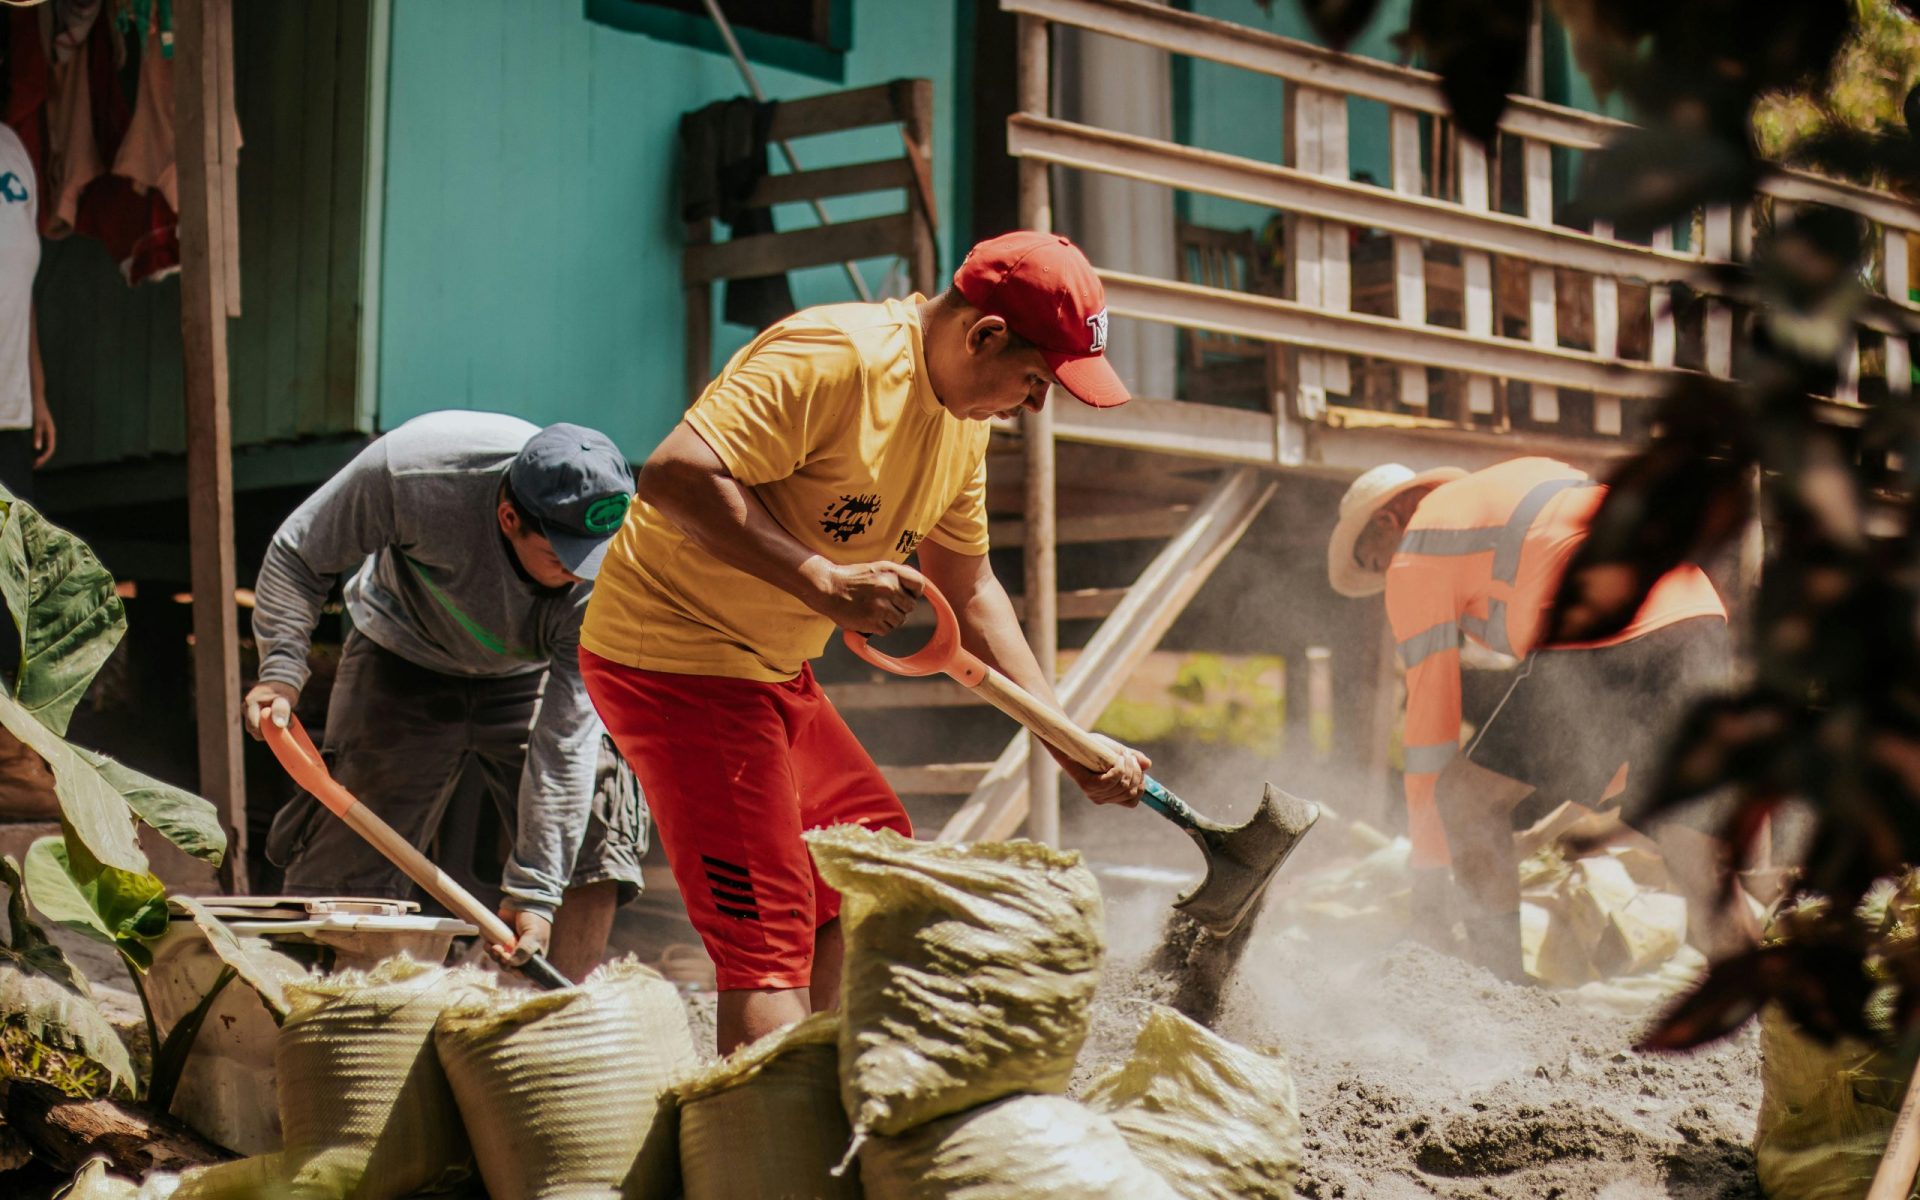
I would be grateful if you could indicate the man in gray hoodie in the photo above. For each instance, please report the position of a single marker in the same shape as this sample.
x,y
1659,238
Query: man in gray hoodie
x,y
474,539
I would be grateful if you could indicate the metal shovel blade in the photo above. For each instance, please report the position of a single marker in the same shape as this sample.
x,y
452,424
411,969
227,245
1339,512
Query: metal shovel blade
x,y
1241,859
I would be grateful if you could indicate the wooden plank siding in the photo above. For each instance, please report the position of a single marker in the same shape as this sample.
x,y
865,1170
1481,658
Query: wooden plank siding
x,y
112,353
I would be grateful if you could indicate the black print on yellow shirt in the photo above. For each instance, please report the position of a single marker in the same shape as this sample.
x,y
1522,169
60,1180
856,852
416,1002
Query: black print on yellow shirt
x,y
908,543
849,517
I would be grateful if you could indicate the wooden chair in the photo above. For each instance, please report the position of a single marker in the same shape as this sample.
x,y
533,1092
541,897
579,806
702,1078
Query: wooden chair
x,y
908,234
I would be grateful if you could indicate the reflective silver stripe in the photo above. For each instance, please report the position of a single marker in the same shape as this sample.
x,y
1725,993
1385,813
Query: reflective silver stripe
x,y
1429,642
1429,760
1506,558
1452,543
1505,541
1492,632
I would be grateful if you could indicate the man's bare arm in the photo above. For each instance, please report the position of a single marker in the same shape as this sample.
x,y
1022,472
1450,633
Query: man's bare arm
x,y
990,629
687,482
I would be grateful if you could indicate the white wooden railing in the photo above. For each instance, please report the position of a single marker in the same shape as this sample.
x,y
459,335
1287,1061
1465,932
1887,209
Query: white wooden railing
x,y
1314,420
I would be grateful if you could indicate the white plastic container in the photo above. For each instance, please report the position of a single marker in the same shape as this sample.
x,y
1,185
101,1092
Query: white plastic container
x,y
227,1090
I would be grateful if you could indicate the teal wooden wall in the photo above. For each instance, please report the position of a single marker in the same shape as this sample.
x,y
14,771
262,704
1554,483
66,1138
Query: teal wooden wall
x,y
112,352
531,258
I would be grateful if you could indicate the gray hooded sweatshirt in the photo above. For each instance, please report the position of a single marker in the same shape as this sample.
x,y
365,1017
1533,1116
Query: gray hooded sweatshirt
x,y
437,584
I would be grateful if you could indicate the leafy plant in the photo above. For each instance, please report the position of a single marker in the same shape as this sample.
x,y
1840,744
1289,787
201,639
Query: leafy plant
x,y
93,878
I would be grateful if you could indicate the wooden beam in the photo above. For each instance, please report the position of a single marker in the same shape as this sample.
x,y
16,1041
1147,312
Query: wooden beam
x,y
1080,604
1243,315
835,111
207,239
938,779
999,804
773,253
1350,442
856,179
1040,777
1151,525
1236,45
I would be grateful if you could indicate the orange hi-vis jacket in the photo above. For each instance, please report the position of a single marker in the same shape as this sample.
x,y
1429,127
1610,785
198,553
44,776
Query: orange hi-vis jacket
x,y
1482,558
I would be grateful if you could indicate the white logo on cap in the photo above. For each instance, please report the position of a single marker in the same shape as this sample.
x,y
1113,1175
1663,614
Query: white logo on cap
x,y
1098,323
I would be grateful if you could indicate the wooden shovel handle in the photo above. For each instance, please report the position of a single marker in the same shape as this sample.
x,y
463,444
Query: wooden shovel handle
x,y
296,752
1894,1179
945,655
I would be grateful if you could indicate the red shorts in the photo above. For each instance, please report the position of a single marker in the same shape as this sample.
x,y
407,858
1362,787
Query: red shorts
x,y
733,771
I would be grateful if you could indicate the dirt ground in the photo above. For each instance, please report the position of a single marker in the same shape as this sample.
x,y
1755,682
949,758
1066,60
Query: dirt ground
x,y
1419,1075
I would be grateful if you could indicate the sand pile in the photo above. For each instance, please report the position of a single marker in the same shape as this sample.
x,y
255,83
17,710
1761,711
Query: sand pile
x,y
1420,1075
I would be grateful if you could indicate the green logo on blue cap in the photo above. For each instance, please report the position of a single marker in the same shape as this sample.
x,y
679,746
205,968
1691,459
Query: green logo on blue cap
x,y
606,513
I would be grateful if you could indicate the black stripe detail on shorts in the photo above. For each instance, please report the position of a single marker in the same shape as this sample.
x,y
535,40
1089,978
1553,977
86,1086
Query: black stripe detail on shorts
x,y
745,914
724,865
727,881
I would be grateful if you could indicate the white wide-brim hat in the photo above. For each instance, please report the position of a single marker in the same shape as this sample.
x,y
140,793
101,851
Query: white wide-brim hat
x,y
1368,495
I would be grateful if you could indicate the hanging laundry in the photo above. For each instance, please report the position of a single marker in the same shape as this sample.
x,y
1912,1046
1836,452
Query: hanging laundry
x,y
146,155
73,158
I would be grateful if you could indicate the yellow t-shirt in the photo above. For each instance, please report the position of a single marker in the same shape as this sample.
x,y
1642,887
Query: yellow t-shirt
x,y
830,418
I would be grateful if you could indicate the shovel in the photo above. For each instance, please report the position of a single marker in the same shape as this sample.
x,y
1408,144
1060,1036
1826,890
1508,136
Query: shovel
x,y
297,754
1241,859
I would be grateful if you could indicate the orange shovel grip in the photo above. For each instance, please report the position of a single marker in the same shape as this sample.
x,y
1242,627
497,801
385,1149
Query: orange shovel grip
x,y
943,653
297,753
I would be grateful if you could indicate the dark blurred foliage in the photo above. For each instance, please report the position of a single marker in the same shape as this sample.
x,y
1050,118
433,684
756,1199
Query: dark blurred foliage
x,y
1830,713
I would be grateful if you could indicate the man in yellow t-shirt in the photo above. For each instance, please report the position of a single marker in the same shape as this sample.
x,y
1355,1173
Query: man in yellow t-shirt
x,y
840,442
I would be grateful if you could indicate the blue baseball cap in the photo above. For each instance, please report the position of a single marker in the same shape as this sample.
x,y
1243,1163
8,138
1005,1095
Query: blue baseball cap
x,y
577,484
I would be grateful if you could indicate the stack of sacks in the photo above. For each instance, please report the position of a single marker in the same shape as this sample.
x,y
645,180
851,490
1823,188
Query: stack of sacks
x,y
765,1123
1216,1120
557,1089
1598,916
364,1105
970,973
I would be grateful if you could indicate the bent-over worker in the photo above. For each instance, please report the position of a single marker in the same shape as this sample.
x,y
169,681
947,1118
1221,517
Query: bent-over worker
x,y
1479,557
841,441
476,537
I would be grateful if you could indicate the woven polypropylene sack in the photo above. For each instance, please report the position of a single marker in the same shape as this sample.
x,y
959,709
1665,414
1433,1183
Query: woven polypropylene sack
x,y
1022,1148
781,1096
969,972
1825,1113
557,1088
1216,1120
365,1111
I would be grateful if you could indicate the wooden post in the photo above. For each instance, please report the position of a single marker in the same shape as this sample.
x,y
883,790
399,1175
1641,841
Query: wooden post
x,y
698,299
1607,417
1476,268
1895,268
916,135
209,244
1543,316
1409,256
1042,584
1718,247
1660,300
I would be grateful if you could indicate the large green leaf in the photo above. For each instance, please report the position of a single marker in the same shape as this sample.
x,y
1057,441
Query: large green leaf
x,y
126,910
42,993
64,606
266,970
96,814
186,820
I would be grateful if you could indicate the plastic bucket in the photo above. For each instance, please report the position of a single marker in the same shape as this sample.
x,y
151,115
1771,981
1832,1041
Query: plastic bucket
x,y
226,1092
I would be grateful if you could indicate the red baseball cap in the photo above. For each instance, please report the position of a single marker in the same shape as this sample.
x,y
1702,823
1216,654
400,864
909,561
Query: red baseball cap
x,y
1048,293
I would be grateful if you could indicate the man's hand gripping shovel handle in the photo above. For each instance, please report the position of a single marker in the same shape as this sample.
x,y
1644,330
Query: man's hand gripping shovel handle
x,y
297,754
945,655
